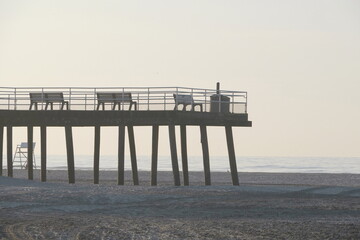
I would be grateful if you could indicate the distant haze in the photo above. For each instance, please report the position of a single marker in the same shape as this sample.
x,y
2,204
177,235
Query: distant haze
x,y
298,60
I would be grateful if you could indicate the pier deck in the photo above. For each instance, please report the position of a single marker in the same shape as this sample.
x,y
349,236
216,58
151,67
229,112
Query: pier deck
x,y
81,118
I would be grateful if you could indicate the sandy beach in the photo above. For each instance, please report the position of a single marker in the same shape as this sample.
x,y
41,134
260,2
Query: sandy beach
x,y
264,206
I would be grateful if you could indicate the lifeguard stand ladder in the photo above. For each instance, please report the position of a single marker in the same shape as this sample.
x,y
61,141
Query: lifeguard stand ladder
x,y
21,156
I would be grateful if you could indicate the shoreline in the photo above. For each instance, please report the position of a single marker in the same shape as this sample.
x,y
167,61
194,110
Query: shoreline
x,y
197,178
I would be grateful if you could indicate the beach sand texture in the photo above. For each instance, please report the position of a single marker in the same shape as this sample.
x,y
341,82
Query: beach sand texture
x,y
264,206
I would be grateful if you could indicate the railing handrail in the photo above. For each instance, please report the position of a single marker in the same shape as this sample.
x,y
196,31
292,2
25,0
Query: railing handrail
x,y
15,98
168,87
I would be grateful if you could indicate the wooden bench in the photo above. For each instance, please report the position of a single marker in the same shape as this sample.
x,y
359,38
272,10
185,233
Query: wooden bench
x,y
36,98
49,98
186,100
116,98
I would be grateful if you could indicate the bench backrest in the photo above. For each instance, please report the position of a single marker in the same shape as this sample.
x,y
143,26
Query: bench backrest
x,y
114,96
123,97
54,96
183,99
37,97
25,145
47,96
105,97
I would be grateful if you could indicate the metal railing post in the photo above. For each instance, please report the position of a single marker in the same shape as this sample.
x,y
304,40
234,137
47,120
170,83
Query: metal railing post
x,y
42,98
192,97
122,98
148,99
8,101
138,101
164,101
205,99
69,98
176,100
219,99
246,98
85,101
233,102
94,99
15,101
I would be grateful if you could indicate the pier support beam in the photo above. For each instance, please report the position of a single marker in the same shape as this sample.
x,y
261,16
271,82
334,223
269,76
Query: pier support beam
x,y
1,149
121,155
232,159
70,153
174,158
133,154
205,149
96,154
184,156
154,155
9,140
30,148
43,152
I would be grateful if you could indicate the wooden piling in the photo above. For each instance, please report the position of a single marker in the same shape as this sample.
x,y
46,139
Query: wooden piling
x,y
205,149
133,154
232,158
174,158
43,152
9,151
1,149
121,155
70,153
30,146
96,154
184,156
154,155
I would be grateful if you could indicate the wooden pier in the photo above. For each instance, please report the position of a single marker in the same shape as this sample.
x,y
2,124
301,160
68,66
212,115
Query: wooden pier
x,y
155,108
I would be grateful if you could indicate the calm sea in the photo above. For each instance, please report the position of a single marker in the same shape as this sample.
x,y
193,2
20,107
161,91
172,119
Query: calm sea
x,y
221,164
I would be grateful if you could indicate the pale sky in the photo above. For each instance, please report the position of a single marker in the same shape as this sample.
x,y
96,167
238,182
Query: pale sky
x,y
298,60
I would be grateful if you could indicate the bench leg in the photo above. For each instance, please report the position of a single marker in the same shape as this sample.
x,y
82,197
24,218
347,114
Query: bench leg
x,y
64,104
98,106
46,106
194,105
135,105
31,104
178,105
114,106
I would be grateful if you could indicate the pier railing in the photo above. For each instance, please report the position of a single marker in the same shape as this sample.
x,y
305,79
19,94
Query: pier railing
x,y
146,98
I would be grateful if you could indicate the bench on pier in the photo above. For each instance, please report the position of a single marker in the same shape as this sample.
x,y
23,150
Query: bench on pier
x,y
49,98
186,100
116,98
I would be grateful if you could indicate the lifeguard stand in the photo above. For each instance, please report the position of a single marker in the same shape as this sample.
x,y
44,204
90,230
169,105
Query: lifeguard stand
x,y
21,156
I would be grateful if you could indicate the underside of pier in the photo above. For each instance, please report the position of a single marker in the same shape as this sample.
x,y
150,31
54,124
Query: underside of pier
x,y
122,119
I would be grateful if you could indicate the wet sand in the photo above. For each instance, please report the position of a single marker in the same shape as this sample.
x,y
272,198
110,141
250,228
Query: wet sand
x,y
264,206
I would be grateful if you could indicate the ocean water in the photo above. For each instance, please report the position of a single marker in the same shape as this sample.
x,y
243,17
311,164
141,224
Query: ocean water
x,y
220,164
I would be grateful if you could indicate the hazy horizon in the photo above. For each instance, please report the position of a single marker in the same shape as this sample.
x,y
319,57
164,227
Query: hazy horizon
x,y
299,61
